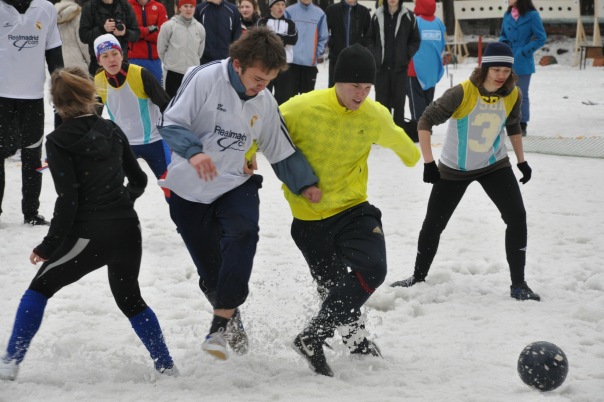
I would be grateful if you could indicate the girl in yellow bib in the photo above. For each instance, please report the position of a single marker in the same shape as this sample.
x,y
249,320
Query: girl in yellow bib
x,y
134,100
478,111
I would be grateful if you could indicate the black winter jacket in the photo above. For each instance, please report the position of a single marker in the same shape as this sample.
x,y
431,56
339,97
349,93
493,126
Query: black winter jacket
x,y
89,158
360,19
92,21
406,39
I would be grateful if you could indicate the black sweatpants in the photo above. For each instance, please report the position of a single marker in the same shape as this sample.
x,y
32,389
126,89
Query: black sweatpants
x,y
419,98
346,254
391,92
92,245
502,188
22,127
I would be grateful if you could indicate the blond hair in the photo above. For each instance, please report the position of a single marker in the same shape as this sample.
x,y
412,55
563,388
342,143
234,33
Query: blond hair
x,y
72,92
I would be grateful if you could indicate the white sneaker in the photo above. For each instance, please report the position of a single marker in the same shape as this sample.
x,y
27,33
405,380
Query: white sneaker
x,y
215,344
8,369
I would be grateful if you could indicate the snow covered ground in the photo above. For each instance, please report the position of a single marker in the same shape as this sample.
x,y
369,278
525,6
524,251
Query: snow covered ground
x,y
456,337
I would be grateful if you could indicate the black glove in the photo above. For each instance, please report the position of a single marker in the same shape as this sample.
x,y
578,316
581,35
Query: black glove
x,y
431,172
526,172
152,28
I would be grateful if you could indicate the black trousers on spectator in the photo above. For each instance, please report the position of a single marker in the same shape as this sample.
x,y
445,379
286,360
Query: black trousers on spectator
x,y
391,91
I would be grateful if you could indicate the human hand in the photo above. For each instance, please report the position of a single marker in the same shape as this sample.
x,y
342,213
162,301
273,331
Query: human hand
x,y
109,25
431,172
526,172
35,258
152,28
312,194
204,166
250,166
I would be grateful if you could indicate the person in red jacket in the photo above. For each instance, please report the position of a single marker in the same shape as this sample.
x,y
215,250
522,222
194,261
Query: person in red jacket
x,y
150,15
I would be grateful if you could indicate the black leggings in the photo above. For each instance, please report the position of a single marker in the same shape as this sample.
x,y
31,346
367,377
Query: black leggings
x,y
503,190
115,243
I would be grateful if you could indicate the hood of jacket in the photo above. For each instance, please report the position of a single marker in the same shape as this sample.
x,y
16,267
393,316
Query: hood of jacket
x,y
67,11
425,9
95,143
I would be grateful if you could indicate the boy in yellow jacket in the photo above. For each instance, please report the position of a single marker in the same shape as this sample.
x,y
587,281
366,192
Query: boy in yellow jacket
x,y
341,236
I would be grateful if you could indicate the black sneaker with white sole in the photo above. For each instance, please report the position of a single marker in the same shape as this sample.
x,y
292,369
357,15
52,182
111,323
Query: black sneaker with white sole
x,y
312,350
235,334
36,220
523,292
367,348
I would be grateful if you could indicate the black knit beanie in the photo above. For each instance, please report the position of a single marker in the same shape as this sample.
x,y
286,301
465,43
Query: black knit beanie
x,y
355,64
497,54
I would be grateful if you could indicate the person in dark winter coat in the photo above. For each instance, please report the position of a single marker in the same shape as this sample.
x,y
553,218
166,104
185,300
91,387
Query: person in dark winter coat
x,y
94,221
107,16
348,23
222,23
22,92
393,39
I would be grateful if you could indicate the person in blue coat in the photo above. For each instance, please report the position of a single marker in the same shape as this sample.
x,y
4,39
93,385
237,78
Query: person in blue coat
x,y
523,31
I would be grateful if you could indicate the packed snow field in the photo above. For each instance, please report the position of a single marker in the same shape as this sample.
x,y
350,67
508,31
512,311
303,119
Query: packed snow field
x,y
456,337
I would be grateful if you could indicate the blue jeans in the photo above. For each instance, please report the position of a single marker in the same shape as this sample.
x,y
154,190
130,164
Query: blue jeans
x,y
524,81
152,65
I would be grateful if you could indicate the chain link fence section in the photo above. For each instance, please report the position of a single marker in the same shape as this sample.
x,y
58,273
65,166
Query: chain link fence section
x,y
587,147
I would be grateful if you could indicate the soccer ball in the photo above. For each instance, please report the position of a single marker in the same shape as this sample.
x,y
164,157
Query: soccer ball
x,y
542,366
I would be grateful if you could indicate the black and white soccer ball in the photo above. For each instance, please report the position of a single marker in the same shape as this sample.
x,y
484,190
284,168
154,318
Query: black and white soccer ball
x,y
542,366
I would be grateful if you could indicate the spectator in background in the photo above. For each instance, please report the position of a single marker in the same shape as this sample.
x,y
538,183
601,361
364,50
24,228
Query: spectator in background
x,y
180,45
75,53
348,23
250,14
523,31
311,25
222,23
107,16
426,67
285,28
393,39
22,100
150,16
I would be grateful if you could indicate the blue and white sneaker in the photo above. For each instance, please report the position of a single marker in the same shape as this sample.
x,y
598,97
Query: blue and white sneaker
x,y
8,369
215,344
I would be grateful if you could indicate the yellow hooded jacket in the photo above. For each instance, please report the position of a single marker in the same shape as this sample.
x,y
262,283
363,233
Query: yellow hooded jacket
x,y
336,141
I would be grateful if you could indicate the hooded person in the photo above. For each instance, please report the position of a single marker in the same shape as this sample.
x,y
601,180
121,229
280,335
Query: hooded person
x,y
341,237
94,223
426,67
